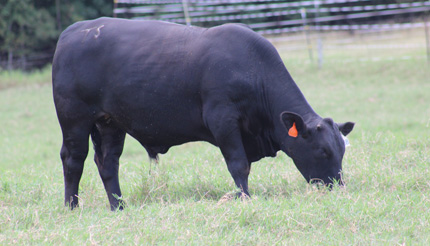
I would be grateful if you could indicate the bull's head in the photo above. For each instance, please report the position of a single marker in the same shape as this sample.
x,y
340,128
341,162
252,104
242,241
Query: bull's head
x,y
316,147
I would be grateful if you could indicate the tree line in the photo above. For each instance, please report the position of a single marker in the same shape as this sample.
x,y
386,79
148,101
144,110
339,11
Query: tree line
x,y
29,29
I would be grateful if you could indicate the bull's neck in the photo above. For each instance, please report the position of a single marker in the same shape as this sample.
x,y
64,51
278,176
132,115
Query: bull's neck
x,y
283,95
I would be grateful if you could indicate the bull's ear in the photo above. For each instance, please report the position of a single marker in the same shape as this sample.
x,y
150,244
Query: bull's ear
x,y
346,128
294,123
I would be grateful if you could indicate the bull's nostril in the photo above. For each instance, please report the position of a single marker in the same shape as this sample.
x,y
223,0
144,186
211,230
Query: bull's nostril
x,y
329,183
316,181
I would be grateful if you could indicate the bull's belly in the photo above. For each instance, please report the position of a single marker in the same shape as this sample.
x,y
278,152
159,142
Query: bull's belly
x,y
158,133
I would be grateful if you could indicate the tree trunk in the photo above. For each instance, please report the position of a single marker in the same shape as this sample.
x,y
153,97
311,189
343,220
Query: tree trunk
x,y
10,59
23,62
58,13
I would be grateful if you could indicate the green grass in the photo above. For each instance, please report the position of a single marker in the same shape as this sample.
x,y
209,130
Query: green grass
x,y
181,200
18,78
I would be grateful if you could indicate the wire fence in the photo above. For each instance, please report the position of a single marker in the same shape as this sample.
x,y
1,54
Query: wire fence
x,y
268,17
407,42
311,21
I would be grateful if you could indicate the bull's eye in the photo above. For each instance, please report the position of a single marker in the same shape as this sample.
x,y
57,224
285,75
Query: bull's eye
x,y
324,154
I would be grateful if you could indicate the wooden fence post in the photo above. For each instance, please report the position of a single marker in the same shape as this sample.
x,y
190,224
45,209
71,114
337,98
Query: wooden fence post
x,y
426,30
115,6
306,32
186,14
319,40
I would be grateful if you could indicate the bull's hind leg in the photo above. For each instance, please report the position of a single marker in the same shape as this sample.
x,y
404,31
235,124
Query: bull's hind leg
x,y
108,142
73,154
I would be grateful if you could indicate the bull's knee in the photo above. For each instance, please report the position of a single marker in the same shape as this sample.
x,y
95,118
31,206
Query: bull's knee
x,y
64,153
73,163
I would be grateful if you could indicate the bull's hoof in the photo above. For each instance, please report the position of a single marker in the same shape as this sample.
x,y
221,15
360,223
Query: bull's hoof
x,y
119,206
233,196
242,196
226,198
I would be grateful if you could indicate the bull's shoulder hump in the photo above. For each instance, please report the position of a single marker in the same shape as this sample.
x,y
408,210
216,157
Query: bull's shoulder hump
x,y
235,33
235,26
232,28
239,36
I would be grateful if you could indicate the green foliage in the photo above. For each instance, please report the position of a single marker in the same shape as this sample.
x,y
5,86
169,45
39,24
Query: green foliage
x,y
29,28
26,29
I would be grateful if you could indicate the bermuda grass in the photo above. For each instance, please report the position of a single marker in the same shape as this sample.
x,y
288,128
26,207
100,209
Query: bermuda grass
x,y
182,199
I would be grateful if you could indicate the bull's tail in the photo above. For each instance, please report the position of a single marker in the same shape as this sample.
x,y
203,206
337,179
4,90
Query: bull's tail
x,y
97,143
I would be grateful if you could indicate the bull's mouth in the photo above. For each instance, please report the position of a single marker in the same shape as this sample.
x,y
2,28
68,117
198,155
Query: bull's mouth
x,y
329,183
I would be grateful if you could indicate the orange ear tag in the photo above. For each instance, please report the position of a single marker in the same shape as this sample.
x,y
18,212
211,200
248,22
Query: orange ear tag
x,y
293,131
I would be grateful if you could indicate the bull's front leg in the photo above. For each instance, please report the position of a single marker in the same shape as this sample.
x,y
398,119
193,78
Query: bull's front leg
x,y
228,138
238,165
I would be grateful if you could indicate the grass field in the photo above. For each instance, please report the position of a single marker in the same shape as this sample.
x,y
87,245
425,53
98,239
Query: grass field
x,y
386,200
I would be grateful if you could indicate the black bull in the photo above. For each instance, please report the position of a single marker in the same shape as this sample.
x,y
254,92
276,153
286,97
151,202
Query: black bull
x,y
167,84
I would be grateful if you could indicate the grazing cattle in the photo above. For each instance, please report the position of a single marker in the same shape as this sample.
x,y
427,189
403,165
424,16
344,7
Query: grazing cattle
x,y
167,84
